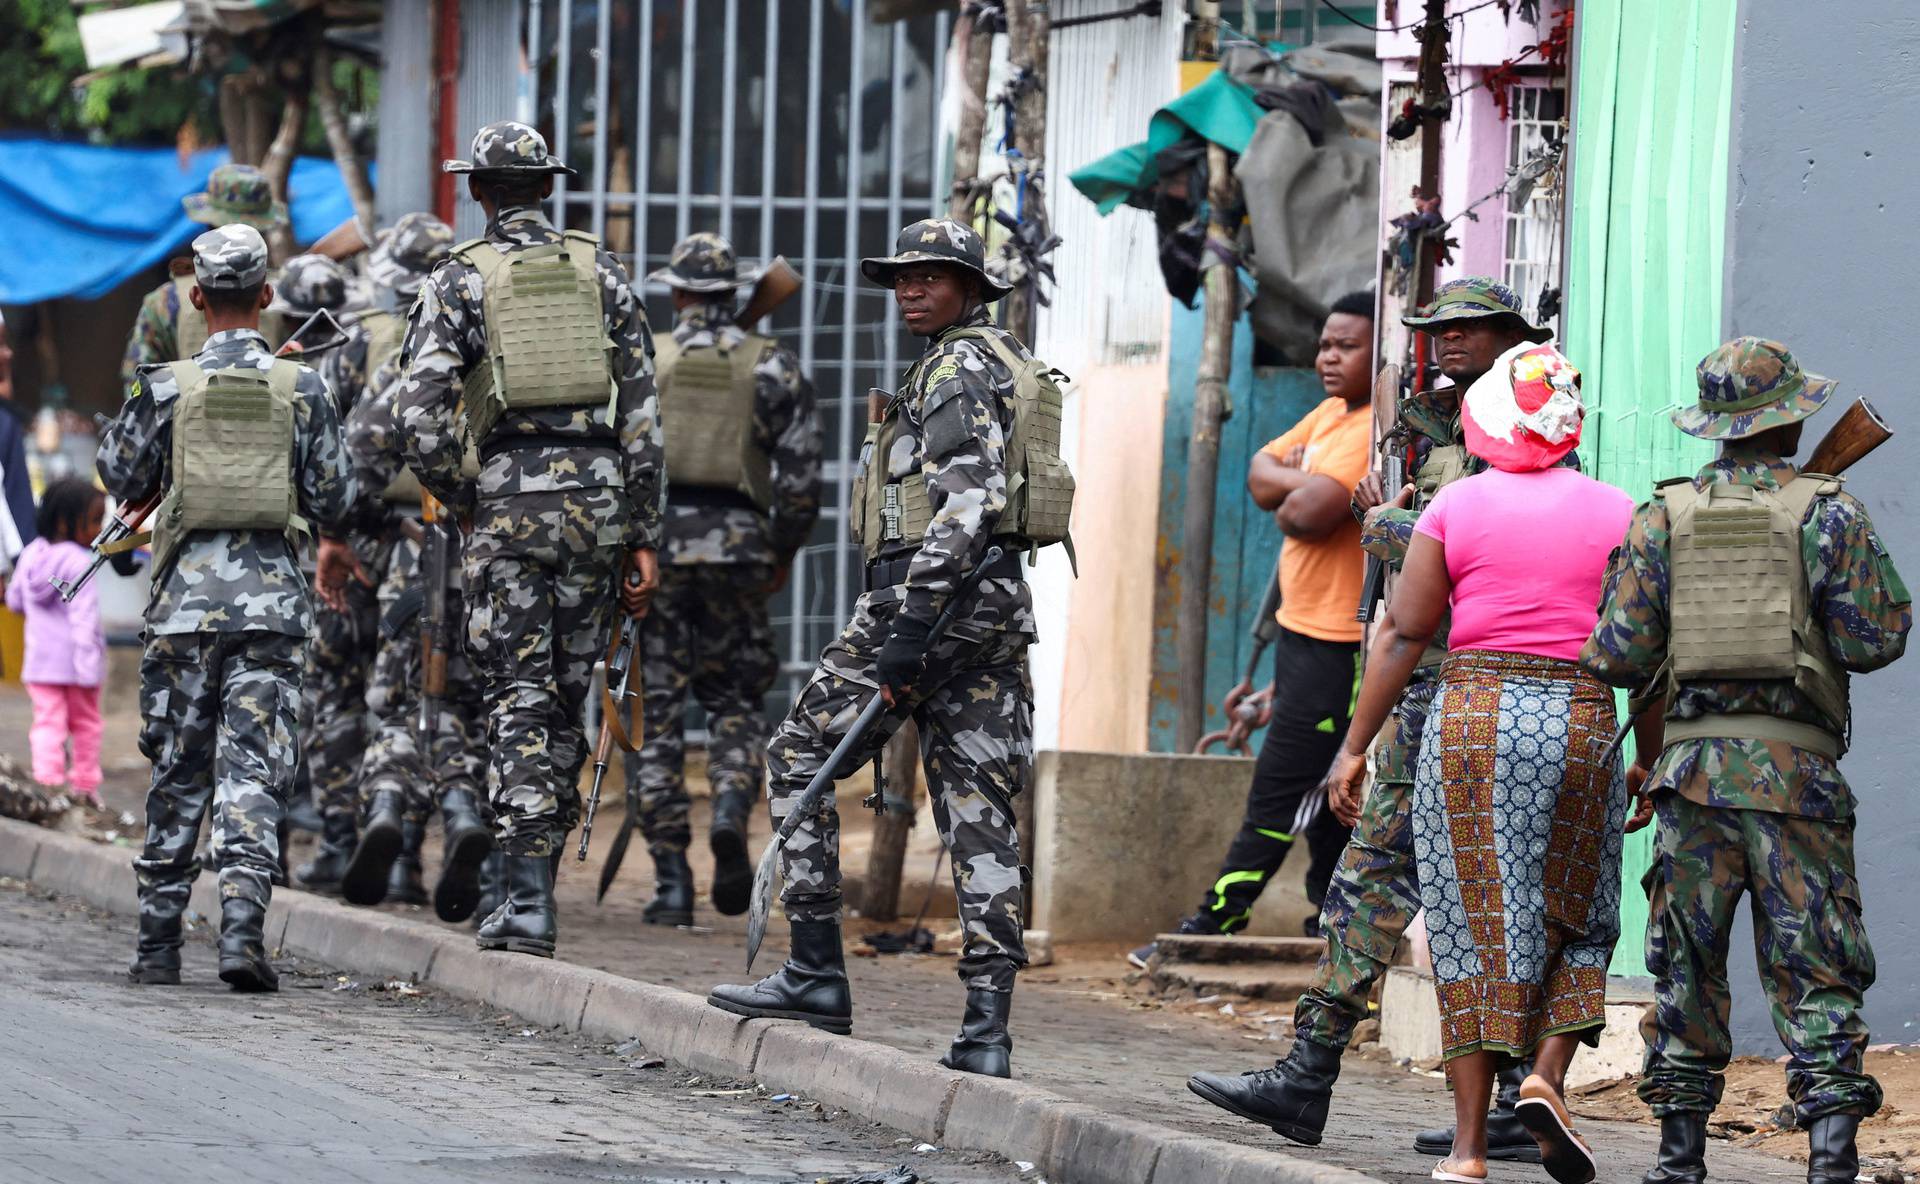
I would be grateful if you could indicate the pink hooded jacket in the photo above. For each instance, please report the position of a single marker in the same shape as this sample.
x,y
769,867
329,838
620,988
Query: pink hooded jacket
x,y
64,644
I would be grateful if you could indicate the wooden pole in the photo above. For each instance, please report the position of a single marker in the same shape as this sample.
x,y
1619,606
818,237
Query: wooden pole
x,y
1433,98
1203,455
974,44
353,170
278,163
1029,34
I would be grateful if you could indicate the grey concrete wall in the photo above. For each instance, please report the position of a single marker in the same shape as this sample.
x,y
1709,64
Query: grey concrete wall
x,y
1124,846
1822,244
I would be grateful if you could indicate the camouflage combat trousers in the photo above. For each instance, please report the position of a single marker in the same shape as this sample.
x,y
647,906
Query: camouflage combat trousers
x,y
1815,961
339,655
537,621
455,756
974,709
218,718
1374,893
707,636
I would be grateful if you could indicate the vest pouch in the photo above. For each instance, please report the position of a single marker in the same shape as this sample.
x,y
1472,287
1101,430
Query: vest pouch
x,y
857,525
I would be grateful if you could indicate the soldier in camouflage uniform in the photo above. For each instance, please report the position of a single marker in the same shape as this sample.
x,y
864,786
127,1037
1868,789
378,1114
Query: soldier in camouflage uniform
x,y
220,679
236,194
948,430
568,489
339,649
1373,895
1747,792
748,421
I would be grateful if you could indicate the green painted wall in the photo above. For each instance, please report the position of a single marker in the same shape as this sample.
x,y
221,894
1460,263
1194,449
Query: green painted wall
x,y
1654,82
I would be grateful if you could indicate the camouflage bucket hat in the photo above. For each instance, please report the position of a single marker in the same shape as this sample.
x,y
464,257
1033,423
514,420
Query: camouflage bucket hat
x,y
936,240
508,147
408,252
309,283
1472,298
702,262
236,193
1747,386
230,258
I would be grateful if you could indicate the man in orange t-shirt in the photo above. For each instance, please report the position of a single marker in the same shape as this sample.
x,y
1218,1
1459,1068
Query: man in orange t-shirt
x,y
1306,477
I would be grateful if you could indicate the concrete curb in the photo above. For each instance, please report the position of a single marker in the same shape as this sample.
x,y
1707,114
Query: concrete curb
x,y
1071,1142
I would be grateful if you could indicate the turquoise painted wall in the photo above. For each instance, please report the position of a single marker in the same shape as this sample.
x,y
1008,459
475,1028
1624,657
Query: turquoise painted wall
x,y
1648,231
1246,544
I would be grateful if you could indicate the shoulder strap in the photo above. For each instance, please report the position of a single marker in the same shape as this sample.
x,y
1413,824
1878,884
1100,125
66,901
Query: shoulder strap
x,y
666,352
186,375
466,248
745,356
1800,493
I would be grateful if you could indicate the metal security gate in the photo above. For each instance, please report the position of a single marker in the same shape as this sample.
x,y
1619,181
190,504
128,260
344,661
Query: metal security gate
x,y
793,127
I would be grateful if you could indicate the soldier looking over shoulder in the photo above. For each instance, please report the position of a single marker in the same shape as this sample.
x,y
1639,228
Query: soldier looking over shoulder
x,y
967,452
529,346
1746,649
248,450
743,455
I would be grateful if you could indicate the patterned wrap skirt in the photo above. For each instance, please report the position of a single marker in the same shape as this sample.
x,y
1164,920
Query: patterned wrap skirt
x,y
1517,830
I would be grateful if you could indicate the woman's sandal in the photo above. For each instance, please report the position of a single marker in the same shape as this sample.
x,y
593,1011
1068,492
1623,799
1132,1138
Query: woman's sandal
x,y
1563,1152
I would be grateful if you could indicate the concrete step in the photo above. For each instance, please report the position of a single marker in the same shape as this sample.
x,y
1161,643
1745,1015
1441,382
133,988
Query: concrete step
x,y
1278,981
1193,947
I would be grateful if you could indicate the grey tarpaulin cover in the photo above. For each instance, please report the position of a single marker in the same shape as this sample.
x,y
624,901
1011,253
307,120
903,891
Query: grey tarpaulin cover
x,y
1312,213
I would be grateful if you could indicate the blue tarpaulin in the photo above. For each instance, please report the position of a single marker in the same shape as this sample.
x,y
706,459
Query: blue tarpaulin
x,y
82,219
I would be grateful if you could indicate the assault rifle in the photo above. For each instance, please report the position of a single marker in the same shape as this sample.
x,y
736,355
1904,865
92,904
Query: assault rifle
x,y
776,285
438,541
122,532
1390,439
809,800
1858,431
1243,706
621,724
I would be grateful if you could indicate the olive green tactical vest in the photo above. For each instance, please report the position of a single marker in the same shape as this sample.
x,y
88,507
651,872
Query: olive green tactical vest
x,y
232,458
707,398
384,334
547,343
1444,464
1039,484
1742,606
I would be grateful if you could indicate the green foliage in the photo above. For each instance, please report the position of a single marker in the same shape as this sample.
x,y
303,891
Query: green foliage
x,y
41,57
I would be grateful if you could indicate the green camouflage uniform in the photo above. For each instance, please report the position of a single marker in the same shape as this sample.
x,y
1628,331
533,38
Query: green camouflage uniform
x,y
974,704
1759,817
708,634
552,521
220,679
235,193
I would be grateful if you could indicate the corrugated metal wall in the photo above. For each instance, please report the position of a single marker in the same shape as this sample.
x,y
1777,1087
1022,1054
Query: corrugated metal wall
x,y
489,88
405,142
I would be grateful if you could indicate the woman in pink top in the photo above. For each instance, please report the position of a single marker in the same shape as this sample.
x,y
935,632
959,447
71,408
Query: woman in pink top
x,y
1516,821
66,654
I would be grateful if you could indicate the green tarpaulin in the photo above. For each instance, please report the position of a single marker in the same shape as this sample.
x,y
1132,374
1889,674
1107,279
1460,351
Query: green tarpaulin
x,y
1220,110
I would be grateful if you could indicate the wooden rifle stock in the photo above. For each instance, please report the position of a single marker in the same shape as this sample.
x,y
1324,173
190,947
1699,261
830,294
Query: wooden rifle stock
x,y
1858,431
775,287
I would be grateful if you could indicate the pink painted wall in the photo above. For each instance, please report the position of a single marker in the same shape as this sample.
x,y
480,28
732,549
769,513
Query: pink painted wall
x,y
1480,38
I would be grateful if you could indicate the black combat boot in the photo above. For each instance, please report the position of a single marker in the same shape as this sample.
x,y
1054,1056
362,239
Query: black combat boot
x,y
302,814
381,838
1291,1097
1506,1137
468,842
243,947
323,873
525,924
156,960
403,881
983,1045
812,986
732,870
672,902
493,886
1683,1150
1832,1157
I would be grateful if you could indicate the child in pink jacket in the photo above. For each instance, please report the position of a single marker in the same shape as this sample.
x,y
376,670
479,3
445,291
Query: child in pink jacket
x,y
66,652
